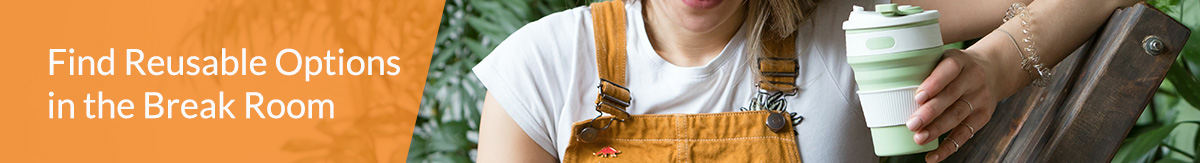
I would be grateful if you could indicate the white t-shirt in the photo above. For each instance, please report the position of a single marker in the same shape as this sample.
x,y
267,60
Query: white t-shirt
x,y
545,77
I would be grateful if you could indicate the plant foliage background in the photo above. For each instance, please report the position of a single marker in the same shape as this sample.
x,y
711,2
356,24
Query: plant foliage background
x,y
448,124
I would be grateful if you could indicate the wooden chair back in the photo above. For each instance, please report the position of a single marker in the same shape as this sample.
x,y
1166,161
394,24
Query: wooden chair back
x,y
1096,96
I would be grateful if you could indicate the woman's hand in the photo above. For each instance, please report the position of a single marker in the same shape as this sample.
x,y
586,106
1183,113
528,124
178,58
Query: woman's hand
x,y
957,98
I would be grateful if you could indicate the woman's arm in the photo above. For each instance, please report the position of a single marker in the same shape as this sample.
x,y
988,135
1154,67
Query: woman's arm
x,y
960,95
501,140
1061,27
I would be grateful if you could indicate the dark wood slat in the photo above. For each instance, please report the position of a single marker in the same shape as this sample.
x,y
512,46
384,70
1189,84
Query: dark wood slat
x,y
1095,98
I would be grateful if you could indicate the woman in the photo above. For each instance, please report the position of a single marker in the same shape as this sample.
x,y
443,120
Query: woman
x,y
697,56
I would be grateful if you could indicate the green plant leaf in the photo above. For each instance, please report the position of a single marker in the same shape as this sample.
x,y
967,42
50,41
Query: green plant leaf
x,y
451,137
1196,146
417,149
1171,160
447,158
1187,85
1143,147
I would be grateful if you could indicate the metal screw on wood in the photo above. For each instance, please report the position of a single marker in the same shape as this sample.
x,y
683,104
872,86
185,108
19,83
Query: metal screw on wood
x,y
1153,45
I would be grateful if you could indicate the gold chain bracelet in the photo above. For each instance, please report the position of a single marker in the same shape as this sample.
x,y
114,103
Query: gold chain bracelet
x,y
1031,62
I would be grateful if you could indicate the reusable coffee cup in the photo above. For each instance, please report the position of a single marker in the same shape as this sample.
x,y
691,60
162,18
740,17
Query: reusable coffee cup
x,y
892,50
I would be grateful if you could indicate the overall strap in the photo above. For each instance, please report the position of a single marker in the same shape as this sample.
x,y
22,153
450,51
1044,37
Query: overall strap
x,y
608,24
778,68
778,64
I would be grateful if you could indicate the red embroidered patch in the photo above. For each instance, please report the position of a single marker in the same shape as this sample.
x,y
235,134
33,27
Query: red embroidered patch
x,y
607,152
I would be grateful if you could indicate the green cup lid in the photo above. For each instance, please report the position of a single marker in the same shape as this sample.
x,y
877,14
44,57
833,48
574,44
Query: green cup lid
x,y
886,15
887,9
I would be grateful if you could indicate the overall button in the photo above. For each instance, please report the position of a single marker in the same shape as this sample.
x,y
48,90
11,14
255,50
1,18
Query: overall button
x,y
588,134
776,121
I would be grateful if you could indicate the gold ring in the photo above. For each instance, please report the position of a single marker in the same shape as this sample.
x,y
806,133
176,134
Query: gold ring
x,y
969,127
969,106
955,144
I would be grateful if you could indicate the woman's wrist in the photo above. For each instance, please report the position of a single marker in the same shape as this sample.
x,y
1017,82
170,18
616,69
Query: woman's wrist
x,y
1002,63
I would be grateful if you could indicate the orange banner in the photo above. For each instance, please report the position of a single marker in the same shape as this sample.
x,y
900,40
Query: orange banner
x,y
212,80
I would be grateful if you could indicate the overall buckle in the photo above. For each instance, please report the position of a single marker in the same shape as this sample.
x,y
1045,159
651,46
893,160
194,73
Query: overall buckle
x,y
613,99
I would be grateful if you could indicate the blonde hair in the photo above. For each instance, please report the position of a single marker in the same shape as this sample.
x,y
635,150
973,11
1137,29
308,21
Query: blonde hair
x,y
773,20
